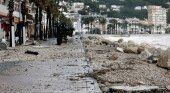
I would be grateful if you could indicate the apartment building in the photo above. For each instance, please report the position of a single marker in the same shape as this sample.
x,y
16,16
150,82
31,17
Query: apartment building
x,y
133,25
157,18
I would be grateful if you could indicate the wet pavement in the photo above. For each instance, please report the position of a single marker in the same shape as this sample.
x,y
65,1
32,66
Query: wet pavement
x,y
48,76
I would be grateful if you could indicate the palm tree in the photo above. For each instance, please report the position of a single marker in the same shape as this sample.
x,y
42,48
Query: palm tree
x,y
109,28
114,22
86,20
103,22
91,22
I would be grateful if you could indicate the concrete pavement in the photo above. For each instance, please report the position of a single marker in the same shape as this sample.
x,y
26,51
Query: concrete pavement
x,y
58,75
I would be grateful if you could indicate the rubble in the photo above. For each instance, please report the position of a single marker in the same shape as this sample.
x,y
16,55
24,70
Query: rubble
x,y
134,68
31,52
164,60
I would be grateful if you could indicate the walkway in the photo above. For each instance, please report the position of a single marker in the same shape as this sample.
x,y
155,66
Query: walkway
x,y
58,75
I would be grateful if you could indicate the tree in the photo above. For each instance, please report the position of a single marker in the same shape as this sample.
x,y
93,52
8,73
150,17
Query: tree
x,y
114,22
86,20
103,22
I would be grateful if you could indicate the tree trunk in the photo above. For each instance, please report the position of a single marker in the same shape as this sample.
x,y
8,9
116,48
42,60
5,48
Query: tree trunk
x,y
46,31
40,19
53,30
50,30
36,23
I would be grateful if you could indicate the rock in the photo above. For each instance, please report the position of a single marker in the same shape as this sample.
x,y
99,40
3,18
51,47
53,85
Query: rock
x,y
164,60
123,44
145,45
120,40
91,37
168,88
131,50
140,49
104,89
106,42
131,44
144,55
115,44
114,57
152,50
153,59
88,42
34,43
136,89
119,49
158,53
3,46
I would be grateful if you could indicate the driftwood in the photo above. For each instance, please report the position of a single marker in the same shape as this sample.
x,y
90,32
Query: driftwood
x,y
31,52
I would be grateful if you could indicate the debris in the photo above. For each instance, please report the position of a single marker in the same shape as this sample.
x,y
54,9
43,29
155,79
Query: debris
x,y
120,40
107,42
114,57
119,49
164,60
3,46
131,50
26,70
145,55
31,52
142,88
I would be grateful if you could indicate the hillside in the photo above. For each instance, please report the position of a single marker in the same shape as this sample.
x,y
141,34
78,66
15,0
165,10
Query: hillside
x,y
127,11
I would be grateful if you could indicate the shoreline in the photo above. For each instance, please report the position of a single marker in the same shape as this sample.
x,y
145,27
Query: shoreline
x,y
114,68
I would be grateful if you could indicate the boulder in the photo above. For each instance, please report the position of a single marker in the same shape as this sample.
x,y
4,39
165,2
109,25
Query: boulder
x,y
144,55
153,59
164,60
145,45
92,37
132,43
152,50
131,50
123,44
158,53
119,49
115,44
106,42
140,49
120,40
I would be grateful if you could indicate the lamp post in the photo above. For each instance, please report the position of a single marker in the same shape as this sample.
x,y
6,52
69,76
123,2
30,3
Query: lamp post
x,y
11,28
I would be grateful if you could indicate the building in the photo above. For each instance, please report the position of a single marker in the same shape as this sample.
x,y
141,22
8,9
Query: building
x,y
76,20
140,7
133,25
102,7
77,6
4,19
116,7
157,18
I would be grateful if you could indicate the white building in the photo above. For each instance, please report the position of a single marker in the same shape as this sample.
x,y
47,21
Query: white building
x,y
133,25
157,17
140,7
116,7
76,20
77,6
102,7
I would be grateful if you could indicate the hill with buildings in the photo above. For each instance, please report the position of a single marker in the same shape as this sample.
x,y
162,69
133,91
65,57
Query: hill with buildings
x,y
121,8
